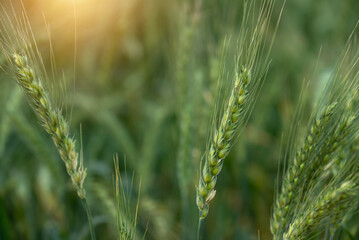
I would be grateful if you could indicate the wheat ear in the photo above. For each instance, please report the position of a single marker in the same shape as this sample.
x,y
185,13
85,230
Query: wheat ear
x,y
295,175
52,121
222,142
332,206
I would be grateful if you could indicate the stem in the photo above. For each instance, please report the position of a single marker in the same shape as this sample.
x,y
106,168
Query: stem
x,y
200,229
89,218
326,237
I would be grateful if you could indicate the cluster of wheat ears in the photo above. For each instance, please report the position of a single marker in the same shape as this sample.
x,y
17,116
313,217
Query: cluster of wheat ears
x,y
319,187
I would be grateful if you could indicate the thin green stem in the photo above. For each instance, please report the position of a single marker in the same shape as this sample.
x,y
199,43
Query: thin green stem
x,y
327,234
200,229
89,218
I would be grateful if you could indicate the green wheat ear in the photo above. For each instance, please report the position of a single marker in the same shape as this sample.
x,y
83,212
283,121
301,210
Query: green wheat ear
x,y
54,124
333,204
320,186
52,121
250,67
222,142
296,173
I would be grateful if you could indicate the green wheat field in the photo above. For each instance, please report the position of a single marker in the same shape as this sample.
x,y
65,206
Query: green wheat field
x,y
182,119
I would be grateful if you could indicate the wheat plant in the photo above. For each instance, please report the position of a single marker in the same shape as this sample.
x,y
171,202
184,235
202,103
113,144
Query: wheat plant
x,y
126,222
52,121
25,59
248,76
221,143
320,186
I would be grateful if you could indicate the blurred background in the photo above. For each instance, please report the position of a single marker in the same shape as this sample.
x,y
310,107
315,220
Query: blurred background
x,y
139,77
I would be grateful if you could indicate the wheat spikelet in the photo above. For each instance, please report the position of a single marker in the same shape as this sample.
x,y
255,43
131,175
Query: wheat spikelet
x,y
325,148
334,146
222,142
51,119
246,78
294,177
20,49
309,163
320,187
332,205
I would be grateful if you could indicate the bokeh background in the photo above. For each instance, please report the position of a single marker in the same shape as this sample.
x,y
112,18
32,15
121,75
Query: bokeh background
x,y
139,77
